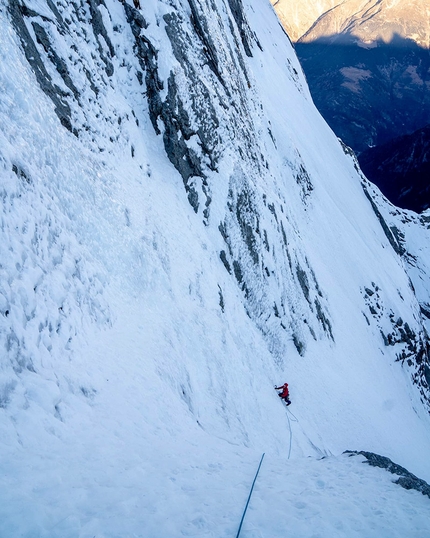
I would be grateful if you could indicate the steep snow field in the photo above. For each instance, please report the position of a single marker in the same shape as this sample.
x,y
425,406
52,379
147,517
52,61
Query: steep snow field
x,y
136,392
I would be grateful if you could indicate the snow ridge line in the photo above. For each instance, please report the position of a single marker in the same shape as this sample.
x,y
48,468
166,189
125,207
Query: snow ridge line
x,y
249,496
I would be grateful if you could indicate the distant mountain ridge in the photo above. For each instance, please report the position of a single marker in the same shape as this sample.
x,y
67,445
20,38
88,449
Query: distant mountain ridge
x,y
298,17
375,20
367,20
367,63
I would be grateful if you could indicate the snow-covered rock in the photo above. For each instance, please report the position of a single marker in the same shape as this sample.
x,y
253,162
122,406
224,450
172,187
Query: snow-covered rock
x,y
181,231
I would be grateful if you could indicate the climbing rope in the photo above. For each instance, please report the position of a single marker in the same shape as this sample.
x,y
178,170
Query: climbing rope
x,y
291,435
294,419
249,497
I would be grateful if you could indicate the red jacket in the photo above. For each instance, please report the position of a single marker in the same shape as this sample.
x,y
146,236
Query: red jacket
x,y
285,391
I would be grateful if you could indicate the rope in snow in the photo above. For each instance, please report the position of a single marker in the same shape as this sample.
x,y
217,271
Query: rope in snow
x,y
249,497
291,435
294,419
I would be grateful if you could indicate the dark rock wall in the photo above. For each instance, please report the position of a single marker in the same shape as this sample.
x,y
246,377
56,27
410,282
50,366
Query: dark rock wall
x,y
406,479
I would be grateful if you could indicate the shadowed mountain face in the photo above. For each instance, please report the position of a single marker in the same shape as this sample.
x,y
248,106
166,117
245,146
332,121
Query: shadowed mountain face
x,y
401,169
368,95
368,67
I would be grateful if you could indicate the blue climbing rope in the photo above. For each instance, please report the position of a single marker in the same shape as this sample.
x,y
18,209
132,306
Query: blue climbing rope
x,y
249,497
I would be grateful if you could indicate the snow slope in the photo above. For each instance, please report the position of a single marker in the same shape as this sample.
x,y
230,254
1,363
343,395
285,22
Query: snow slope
x,y
180,232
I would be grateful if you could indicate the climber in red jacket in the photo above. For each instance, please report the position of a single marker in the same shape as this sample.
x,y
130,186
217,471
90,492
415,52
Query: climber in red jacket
x,y
285,393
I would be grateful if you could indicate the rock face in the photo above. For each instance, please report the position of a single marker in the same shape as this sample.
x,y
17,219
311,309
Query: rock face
x,y
406,479
401,169
201,110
